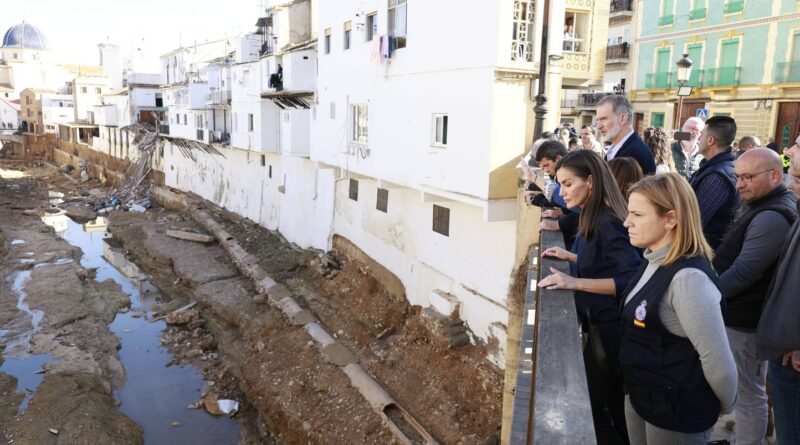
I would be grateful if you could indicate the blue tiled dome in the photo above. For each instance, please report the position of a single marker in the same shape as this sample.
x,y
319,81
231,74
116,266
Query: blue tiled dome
x,y
24,35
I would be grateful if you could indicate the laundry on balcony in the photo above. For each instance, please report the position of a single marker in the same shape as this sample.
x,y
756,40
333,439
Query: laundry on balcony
x,y
291,99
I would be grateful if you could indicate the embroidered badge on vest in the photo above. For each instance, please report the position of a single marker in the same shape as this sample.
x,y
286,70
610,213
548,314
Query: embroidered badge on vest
x,y
640,314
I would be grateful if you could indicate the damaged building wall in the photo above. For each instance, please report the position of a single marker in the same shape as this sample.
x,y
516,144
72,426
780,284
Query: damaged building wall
x,y
474,269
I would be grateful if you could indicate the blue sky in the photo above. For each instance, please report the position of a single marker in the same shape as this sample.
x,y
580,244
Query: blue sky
x,y
75,28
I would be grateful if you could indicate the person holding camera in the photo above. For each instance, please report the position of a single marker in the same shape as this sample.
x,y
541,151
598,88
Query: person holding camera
x,y
678,369
602,263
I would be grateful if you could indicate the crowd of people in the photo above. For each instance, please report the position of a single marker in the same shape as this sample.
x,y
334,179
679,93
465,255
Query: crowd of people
x,y
685,269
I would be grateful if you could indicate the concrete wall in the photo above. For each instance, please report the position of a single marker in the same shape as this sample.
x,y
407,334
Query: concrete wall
x,y
297,199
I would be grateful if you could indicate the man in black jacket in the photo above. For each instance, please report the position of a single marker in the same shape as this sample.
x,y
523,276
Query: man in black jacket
x,y
614,120
745,262
714,183
778,335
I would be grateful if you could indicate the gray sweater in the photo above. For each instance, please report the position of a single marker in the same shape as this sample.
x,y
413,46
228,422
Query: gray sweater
x,y
690,308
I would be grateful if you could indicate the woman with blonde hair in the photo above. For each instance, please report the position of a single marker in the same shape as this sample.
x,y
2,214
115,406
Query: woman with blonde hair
x,y
678,369
602,264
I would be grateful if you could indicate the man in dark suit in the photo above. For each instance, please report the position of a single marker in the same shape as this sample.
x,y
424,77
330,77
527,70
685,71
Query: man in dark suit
x,y
614,119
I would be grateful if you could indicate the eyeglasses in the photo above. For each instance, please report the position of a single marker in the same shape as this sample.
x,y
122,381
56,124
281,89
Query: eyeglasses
x,y
747,179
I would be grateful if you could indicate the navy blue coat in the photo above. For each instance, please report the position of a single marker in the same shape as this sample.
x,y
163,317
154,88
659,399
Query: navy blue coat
x,y
635,148
608,253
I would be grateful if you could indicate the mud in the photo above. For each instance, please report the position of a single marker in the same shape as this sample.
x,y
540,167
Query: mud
x,y
244,348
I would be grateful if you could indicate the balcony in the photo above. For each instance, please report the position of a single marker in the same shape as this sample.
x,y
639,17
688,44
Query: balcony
x,y
722,77
659,80
787,72
733,7
621,6
219,98
218,137
697,14
621,11
590,100
666,20
201,136
618,53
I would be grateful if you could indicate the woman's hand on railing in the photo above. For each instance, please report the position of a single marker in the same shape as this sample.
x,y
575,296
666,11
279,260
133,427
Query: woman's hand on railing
x,y
558,280
561,254
553,213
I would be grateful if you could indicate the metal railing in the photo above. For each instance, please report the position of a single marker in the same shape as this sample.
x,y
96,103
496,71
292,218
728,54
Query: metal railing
x,y
697,14
722,77
219,97
267,48
591,99
620,51
733,6
621,6
665,20
787,72
218,137
659,80
551,397
201,135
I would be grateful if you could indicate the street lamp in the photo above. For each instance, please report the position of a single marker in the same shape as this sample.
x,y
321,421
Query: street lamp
x,y
684,72
684,69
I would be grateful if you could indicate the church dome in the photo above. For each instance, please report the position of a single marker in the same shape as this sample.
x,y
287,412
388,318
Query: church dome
x,y
25,36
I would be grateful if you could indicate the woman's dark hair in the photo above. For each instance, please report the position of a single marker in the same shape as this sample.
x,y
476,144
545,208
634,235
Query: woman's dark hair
x,y
605,195
626,171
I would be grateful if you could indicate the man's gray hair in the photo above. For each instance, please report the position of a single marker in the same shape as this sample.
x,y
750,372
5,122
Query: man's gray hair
x,y
749,141
620,104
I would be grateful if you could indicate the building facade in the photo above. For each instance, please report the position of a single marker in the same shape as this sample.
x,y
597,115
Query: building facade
x,y
745,56
9,114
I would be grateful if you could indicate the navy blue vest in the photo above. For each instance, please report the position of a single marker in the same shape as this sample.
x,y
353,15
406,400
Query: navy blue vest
x,y
721,164
661,371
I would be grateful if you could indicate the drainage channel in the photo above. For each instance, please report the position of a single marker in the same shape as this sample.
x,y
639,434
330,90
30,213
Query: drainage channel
x,y
155,395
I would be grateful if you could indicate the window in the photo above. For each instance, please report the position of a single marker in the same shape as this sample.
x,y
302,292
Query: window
x,y
333,110
657,120
383,200
198,121
185,119
440,129
441,220
359,123
347,28
522,31
250,122
372,26
27,100
695,51
177,118
327,41
15,56
667,13
29,112
83,90
353,191
397,22
97,90
263,160
270,172
575,31
60,104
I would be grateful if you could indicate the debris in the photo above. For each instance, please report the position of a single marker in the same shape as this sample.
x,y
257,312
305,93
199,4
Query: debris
x,y
211,404
386,333
66,168
182,318
177,311
137,208
260,299
228,407
53,431
174,424
196,405
190,236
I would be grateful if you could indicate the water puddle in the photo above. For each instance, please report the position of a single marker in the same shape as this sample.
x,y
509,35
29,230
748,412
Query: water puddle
x,y
155,396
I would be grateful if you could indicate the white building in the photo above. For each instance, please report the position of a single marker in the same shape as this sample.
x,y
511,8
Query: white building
x,y
26,61
138,102
87,91
9,114
56,109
